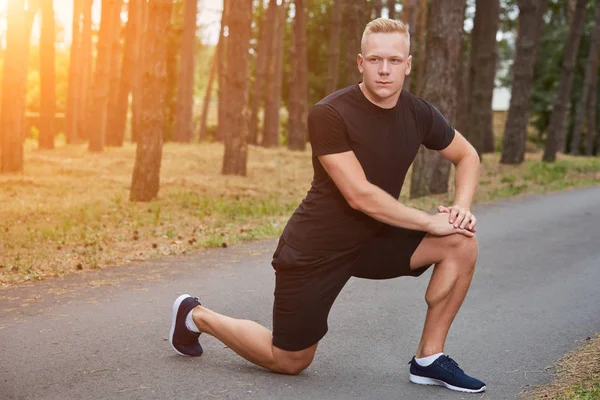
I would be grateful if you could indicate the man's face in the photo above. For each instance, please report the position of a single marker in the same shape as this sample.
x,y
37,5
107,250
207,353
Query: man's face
x,y
384,63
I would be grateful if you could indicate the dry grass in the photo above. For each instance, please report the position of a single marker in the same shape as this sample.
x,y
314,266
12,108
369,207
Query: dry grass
x,y
69,210
577,375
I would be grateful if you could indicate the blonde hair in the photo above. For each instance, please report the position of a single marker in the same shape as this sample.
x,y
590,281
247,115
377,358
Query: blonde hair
x,y
385,25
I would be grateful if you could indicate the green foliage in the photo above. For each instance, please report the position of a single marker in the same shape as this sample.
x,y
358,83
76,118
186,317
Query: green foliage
x,y
548,68
545,173
32,99
580,393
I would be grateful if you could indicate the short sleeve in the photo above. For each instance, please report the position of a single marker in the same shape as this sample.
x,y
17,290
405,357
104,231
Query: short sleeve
x,y
437,132
326,131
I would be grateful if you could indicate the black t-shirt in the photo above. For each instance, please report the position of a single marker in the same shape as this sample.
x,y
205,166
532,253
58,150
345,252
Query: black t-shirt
x,y
385,142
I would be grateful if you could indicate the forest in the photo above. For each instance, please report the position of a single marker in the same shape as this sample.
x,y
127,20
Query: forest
x,y
143,74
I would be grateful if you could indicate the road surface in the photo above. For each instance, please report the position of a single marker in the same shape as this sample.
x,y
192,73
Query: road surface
x,y
103,334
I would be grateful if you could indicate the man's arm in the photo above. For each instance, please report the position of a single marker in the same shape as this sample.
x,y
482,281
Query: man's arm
x,y
466,160
348,175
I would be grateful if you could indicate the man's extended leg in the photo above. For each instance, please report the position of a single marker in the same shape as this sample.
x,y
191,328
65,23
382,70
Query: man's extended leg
x,y
253,342
455,258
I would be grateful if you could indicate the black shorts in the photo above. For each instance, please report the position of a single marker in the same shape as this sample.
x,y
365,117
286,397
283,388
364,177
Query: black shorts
x,y
306,286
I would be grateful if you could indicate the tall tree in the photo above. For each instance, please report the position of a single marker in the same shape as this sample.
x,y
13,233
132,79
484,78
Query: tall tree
x,y
223,125
377,6
273,91
482,72
118,119
298,105
47,76
136,90
208,93
185,93
420,50
260,76
334,45
430,170
560,110
531,13
391,5
409,17
354,25
83,92
145,180
110,137
14,80
587,95
462,80
173,51
101,88
73,102
591,113
235,158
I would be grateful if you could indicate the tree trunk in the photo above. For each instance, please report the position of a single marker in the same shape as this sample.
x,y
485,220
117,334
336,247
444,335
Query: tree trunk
x,y
409,17
223,125
118,120
273,91
145,181
587,95
14,83
47,76
334,45
84,85
111,137
531,22
353,28
591,112
262,61
430,170
482,71
175,41
560,110
235,158
421,42
101,88
136,90
207,94
391,4
377,6
298,105
185,93
73,95
462,80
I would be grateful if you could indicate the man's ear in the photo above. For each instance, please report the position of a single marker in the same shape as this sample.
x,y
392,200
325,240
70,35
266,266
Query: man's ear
x,y
408,66
360,60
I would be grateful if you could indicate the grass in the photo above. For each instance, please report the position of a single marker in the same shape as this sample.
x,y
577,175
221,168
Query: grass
x,y
577,375
70,210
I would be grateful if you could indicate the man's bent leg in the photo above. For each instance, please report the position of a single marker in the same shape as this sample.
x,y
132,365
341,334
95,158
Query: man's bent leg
x,y
253,342
455,258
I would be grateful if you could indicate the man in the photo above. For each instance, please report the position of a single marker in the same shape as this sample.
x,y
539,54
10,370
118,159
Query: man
x,y
363,139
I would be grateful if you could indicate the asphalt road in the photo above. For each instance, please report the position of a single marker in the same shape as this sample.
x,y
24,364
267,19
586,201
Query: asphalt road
x,y
103,334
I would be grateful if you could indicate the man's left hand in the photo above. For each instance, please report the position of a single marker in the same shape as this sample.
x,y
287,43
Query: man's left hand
x,y
459,217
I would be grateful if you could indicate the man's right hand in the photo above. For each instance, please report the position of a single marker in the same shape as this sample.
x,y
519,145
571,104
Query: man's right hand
x,y
440,226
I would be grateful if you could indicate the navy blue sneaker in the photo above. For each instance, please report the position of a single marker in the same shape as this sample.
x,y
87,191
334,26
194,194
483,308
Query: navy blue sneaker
x,y
184,341
444,372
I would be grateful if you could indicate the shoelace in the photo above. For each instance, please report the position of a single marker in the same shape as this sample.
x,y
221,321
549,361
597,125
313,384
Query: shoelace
x,y
453,363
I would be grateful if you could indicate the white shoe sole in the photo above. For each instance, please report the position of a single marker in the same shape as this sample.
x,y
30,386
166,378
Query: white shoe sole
x,y
421,380
174,320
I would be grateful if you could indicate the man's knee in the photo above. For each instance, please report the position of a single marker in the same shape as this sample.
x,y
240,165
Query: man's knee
x,y
293,367
464,247
293,362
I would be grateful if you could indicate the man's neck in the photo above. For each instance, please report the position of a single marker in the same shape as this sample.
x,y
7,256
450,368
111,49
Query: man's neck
x,y
387,103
